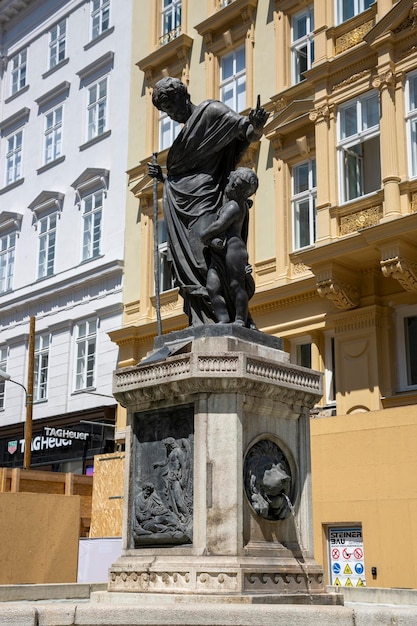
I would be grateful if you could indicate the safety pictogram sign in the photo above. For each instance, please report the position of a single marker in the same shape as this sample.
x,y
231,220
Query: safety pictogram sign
x,y
346,556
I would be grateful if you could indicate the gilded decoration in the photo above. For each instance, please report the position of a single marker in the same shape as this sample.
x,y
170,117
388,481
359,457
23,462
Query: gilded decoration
x,y
361,219
353,37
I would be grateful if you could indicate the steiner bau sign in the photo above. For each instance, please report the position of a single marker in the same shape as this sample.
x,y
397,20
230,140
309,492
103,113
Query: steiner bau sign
x,y
346,556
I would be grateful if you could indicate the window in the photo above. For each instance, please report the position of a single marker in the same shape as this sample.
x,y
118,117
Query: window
x,y
100,17
53,135
410,339
19,62
171,20
233,79
86,341
329,371
7,254
97,109
14,157
92,214
165,275
168,131
57,42
47,235
302,48
349,8
3,366
406,329
304,195
411,94
303,354
40,372
358,147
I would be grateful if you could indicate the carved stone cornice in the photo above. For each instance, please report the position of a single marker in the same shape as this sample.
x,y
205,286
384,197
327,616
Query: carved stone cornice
x,y
238,372
402,270
410,21
399,261
176,51
343,295
338,284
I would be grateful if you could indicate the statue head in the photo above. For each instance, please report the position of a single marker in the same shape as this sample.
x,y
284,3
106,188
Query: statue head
x,y
244,180
171,96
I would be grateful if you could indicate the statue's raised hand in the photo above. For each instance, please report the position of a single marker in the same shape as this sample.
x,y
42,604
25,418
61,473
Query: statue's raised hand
x,y
258,116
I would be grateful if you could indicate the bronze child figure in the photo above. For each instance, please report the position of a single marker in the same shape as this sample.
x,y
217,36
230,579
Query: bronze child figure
x,y
229,281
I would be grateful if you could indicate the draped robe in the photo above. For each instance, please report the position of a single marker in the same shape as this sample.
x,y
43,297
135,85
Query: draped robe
x,y
199,162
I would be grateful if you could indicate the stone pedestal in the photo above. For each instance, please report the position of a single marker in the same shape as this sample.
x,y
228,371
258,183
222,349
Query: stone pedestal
x,y
218,452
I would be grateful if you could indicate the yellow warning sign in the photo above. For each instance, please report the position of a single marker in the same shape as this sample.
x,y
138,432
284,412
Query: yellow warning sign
x,y
347,569
337,583
360,583
348,583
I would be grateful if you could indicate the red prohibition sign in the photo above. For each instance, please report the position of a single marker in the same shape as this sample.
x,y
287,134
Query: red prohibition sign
x,y
335,553
358,553
346,554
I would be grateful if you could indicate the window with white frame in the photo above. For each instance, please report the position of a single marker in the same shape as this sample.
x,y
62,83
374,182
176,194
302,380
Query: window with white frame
x,y
97,109
18,71
303,354
171,20
166,281
41,364
100,17
349,8
406,327
411,95
358,147
14,157
304,194
47,238
3,366
329,369
86,346
92,211
168,131
7,256
53,135
233,79
57,43
302,48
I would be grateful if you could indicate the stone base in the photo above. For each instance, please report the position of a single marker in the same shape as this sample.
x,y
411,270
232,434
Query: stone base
x,y
239,412
157,599
216,575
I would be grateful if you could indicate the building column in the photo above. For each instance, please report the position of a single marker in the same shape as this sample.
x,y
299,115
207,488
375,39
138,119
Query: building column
x,y
385,82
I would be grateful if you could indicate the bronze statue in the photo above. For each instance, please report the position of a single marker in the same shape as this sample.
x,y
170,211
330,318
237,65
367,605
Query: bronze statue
x,y
229,279
208,147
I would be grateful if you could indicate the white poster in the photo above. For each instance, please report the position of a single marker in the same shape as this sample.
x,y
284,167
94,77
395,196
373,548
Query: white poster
x,y
346,556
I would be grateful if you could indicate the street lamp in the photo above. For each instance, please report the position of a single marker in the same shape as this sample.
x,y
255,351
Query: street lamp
x,y
5,376
28,423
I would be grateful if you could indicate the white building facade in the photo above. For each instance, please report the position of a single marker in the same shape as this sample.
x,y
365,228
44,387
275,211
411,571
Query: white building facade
x,y
65,67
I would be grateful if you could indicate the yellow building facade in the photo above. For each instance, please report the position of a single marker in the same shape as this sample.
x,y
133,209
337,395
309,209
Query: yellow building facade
x,y
332,236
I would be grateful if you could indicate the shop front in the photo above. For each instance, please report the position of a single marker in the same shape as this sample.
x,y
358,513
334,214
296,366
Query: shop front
x,y
61,444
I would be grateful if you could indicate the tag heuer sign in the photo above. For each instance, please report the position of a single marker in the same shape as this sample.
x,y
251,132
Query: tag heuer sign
x,y
12,447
